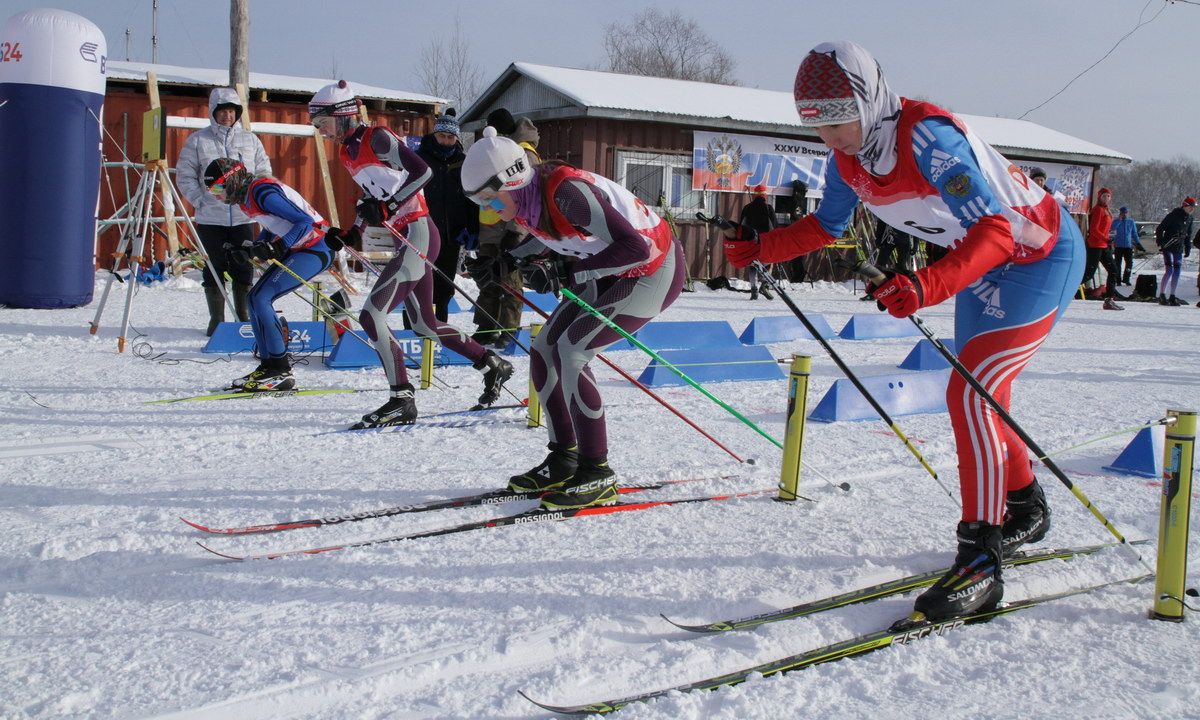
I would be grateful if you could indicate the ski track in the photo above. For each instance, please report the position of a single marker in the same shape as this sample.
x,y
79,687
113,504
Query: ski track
x,y
107,610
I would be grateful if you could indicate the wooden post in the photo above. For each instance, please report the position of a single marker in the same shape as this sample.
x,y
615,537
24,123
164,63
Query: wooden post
x,y
244,97
166,199
239,45
326,180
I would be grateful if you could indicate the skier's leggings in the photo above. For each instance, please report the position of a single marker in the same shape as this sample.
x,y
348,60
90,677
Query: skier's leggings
x,y
408,279
1000,321
268,331
1173,262
572,337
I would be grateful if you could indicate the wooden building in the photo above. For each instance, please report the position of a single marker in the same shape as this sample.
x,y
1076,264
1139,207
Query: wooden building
x,y
643,133
278,109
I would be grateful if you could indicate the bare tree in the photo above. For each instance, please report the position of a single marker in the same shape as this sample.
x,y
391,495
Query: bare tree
x,y
662,44
446,69
1152,188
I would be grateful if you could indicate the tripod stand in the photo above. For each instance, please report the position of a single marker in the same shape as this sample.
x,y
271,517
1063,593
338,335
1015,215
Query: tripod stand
x,y
138,212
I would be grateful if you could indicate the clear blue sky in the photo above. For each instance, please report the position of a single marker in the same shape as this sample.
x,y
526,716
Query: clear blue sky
x,y
983,58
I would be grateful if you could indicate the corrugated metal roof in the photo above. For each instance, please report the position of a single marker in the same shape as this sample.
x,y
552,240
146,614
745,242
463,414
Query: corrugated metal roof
x,y
212,77
649,98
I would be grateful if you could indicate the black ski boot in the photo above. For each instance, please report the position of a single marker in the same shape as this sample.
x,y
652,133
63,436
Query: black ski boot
x,y
272,375
594,484
400,409
496,371
1175,302
753,291
558,467
1027,519
973,583
216,309
766,292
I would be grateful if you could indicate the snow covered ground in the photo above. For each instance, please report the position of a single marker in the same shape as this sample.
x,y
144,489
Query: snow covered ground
x,y
109,610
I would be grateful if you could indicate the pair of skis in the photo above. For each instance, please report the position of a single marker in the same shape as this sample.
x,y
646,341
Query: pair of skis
x,y
494,497
899,633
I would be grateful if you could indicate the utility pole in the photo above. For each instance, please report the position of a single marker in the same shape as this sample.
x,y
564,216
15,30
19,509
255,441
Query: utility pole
x,y
239,43
154,32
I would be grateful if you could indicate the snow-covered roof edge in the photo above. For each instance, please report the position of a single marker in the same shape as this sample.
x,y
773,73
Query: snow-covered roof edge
x,y
213,77
606,94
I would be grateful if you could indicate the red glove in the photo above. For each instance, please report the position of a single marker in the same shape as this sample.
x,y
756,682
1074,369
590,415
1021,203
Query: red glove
x,y
900,295
743,249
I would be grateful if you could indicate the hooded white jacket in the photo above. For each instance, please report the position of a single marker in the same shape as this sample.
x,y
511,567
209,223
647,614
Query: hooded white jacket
x,y
215,141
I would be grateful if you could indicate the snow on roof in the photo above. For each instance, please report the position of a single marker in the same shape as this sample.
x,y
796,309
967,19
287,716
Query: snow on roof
x,y
213,77
664,96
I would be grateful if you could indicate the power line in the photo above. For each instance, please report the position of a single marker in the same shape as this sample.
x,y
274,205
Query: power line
x,y
1122,39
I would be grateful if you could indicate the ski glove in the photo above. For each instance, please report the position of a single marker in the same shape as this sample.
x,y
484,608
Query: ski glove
x,y
743,248
372,211
467,239
486,270
272,249
543,275
337,238
900,295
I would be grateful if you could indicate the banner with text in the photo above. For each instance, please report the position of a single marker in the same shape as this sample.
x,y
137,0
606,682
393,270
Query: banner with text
x,y
727,162
1072,182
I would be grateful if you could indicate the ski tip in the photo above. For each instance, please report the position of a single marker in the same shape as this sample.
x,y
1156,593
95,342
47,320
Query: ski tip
x,y
198,526
219,554
552,708
689,628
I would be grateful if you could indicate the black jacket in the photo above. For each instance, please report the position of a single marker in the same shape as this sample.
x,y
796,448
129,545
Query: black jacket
x,y
449,208
1174,233
758,215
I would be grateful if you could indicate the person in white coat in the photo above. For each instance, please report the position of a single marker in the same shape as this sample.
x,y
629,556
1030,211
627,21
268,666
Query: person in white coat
x,y
218,224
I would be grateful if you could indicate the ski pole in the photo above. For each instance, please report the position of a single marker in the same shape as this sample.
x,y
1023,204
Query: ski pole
x,y
636,383
872,274
722,223
638,344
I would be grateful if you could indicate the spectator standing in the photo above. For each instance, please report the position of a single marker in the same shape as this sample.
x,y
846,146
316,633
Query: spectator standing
x,y
498,314
759,215
1174,236
456,217
1099,225
1124,232
217,223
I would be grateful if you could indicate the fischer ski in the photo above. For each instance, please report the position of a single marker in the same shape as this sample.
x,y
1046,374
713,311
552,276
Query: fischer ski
x,y
882,590
491,497
531,516
424,420
232,395
899,634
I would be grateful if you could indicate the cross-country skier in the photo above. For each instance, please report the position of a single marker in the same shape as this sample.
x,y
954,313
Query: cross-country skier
x,y
391,177
1014,259
629,267
292,233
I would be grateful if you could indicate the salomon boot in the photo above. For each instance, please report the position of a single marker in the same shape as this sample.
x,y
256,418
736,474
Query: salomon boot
x,y
216,309
973,583
558,467
1027,519
272,375
496,371
594,484
400,409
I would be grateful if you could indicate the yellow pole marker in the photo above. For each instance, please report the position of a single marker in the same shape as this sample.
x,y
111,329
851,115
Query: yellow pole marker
x,y
533,411
793,438
1179,454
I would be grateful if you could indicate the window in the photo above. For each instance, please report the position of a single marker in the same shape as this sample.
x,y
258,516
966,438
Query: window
x,y
659,179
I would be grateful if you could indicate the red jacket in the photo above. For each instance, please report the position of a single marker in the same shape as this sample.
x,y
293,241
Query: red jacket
x,y
1099,224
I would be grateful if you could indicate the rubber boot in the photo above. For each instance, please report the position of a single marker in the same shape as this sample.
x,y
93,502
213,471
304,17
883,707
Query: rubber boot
x,y
216,309
241,301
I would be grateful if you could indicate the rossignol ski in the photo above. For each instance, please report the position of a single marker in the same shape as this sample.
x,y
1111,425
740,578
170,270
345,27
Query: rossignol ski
x,y
532,516
882,590
234,395
900,633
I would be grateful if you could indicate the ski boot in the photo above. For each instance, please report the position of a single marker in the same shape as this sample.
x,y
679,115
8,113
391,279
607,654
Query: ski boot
x,y
973,583
271,375
594,484
558,467
400,409
1175,302
1027,519
1162,300
496,371
766,292
1111,304
753,291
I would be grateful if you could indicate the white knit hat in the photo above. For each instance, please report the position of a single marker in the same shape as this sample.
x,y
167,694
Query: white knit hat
x,y
495,163
334,99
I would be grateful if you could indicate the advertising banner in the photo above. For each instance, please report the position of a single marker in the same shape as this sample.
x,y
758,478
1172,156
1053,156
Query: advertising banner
x,y
727,162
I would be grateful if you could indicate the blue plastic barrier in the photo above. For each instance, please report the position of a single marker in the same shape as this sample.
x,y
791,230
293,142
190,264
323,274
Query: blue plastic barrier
x,y
899,394
232,337
545,302
877,325
924,356
351,354
691,335
784,328
1143,455
516,350
719,364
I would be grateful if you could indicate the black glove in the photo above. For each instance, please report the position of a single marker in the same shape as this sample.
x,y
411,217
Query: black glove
x,y
265,250
544,275
337,238
371,211
237,255
486,270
